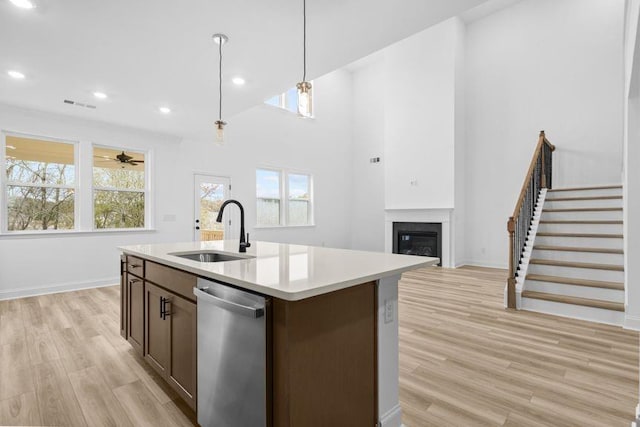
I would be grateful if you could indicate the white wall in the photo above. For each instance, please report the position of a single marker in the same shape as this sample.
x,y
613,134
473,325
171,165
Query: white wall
x,y
31,264
266,136
460,142
367,215
419,122
631,177
539,64
262,136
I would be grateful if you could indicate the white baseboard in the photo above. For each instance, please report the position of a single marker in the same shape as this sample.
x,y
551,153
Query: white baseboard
x,y
54,289
632,322
473,263
393,418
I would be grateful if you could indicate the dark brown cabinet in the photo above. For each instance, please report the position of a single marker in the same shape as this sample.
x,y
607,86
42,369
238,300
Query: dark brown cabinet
x,y
159,320
135,308
171,346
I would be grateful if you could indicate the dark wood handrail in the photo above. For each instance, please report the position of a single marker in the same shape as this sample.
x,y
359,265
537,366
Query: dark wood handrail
x,y
538,176
542,139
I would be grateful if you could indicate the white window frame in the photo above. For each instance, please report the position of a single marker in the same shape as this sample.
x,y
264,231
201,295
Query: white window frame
x,y
284,198
5,183
146,191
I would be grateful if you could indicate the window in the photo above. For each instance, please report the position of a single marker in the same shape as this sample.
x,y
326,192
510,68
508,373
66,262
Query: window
x,y
40,184
119,189
283,198
286,101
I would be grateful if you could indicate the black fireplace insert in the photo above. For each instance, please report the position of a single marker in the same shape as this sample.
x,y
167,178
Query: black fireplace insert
x,y
418,238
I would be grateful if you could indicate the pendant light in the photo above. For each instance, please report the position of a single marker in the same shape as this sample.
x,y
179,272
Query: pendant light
x,y
304,87
220,39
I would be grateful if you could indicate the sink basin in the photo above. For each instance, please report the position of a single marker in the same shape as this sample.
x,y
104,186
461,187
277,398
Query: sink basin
x,y
209,257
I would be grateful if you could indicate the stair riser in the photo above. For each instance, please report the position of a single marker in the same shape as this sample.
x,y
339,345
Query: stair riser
x,y
581,228
601,203
590,257
585,193
574,311
582,242
577,273
575,291
582,216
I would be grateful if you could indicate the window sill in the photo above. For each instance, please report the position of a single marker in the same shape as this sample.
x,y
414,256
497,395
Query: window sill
x,y
268,227
71,233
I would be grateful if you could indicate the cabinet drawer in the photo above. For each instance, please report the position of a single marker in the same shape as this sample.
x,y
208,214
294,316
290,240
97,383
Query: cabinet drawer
x,y
176,281
135,266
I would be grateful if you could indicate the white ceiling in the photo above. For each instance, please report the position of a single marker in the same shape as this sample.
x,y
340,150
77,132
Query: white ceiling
x,y
144,53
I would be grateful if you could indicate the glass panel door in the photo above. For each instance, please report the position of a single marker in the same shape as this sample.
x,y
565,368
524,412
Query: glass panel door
x,y
209,193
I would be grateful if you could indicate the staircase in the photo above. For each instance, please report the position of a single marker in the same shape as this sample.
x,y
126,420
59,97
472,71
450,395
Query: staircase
x,y
576,266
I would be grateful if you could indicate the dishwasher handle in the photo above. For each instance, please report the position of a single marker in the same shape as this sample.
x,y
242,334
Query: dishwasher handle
x,y
254,312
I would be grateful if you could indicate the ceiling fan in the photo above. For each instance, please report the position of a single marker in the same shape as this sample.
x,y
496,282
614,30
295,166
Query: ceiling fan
x,y
124,159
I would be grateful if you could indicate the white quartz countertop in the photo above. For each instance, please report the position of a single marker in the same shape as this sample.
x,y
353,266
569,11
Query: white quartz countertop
x,y
289,272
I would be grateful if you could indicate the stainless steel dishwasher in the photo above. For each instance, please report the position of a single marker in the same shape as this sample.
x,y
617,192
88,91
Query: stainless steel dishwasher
x,y
232,356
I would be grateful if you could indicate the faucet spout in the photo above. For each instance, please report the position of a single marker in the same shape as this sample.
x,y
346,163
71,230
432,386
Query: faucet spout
x,y
244,243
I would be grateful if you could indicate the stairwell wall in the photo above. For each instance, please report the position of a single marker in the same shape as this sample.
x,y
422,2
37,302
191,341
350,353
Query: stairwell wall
x,y
539,64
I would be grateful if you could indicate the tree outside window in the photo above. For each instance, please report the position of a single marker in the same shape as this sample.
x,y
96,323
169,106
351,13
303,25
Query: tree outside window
x,y
41,177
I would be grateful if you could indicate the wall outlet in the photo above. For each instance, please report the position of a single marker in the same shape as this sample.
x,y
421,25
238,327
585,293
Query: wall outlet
x,y
388,311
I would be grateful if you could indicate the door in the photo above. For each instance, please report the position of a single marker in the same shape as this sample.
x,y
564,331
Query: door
x,y
209,193
157,324
135,320
183,348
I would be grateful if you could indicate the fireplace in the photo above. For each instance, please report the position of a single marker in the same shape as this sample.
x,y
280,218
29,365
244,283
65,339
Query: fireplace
x,y
418,238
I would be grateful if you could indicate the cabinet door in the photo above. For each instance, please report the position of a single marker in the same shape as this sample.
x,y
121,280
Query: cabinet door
x,y
135,305
123,296
183,348
157,330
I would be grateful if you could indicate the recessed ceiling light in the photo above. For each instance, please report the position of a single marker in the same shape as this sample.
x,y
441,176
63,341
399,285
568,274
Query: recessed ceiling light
x,y
100,95
23,4
16,74
165,110
238,81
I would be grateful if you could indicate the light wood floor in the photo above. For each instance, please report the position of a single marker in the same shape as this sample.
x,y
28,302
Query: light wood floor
x,y
464,361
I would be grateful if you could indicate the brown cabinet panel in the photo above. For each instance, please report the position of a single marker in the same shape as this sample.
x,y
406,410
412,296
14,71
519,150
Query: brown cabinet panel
x,y
179,282
123,296
157,331
184,349
135,308
324,359
135,266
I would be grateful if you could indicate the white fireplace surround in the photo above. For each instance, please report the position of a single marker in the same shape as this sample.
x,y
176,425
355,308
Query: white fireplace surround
x,y
422,215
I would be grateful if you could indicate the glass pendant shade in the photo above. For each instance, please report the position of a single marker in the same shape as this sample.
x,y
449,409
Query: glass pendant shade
x,y
304,99
219,132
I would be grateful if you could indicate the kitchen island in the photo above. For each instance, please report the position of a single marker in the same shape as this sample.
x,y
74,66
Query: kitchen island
x,y
330,325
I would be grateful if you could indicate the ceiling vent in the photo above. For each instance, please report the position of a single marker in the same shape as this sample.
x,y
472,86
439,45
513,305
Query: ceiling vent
x,y
79,104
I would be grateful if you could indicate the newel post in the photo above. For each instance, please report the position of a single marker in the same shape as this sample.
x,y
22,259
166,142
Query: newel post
x,y
511,280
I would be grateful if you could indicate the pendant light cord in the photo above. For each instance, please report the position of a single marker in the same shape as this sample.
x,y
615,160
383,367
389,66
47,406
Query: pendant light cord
x,y
220,81
304,40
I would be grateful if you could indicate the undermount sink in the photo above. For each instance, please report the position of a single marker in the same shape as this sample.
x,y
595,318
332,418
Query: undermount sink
x,y
208,256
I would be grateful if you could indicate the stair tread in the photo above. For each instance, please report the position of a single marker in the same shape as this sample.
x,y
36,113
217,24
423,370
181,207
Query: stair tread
x,y
614,222
583,210
590,235
587,302
577,282
578,249
569,199
572,264
602,187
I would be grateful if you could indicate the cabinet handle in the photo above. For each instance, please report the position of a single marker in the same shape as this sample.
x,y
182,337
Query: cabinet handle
x,y
135,280
165,313
135,266
161,307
